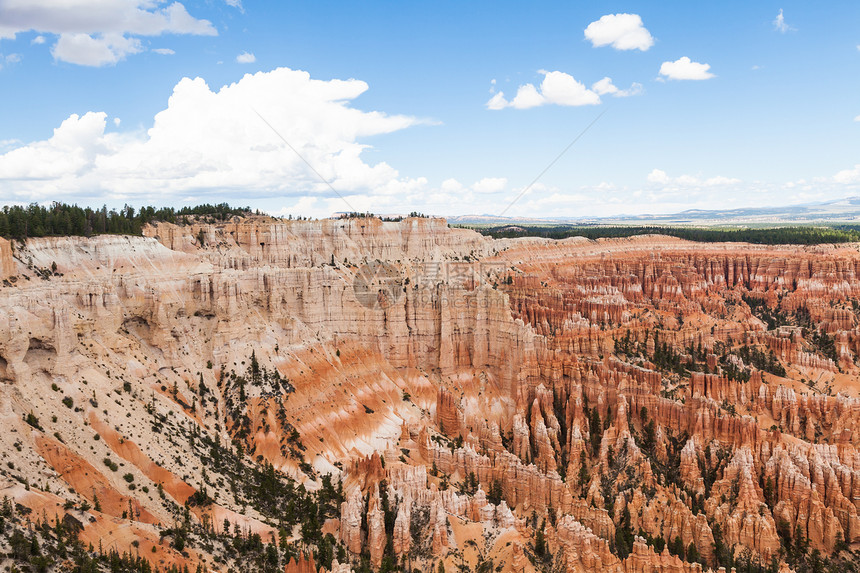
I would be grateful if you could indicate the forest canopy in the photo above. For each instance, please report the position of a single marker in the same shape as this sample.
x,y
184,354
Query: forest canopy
x,y
793,235
60,219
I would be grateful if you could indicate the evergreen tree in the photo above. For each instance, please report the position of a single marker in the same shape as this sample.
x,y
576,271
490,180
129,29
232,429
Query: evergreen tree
x,y
692,553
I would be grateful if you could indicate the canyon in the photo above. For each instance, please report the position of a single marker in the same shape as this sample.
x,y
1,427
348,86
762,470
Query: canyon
x,y
432,399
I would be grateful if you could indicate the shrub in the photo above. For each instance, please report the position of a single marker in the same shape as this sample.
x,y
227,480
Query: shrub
x,y
33,420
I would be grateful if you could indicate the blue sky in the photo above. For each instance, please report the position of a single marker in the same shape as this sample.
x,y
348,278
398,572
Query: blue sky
x,y
398,105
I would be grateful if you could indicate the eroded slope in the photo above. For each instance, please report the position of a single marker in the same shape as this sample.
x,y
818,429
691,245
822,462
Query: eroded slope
x,y
622,405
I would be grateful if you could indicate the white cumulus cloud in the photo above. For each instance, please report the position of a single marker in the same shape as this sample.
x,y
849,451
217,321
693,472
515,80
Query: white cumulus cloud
x,y
164,51
557,88
451,185
489,185
211,142
246,58
658,176
848,175
685,69
621,31
98,32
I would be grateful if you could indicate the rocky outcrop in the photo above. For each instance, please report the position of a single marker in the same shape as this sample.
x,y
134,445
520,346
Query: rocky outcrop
x,y
402,536
449,417
7,262
350,522
376,537
691,474
584,549
302,564
721,388
666,516
809,492
737,503
261,240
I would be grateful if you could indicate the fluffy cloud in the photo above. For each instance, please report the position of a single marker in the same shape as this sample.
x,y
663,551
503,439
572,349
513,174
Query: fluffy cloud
x,y
85,50
661,178
685,69
497,102
658,176
490,185
98,32
720,180
606,87
557,88
847,176
482,186
451,185
780,25
212,143
621,31
857,118
164,51
246,58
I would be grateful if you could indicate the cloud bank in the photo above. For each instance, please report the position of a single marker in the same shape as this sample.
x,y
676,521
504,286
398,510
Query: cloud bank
x,y
661,178
209,143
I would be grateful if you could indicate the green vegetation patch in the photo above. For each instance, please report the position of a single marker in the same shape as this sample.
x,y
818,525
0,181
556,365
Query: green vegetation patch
x,y
796,235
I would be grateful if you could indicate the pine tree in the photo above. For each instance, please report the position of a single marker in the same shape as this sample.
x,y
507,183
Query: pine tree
x,y
540,542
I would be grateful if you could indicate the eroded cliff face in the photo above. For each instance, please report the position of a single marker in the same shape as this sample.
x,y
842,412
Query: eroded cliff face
x,y
644,404
7,262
